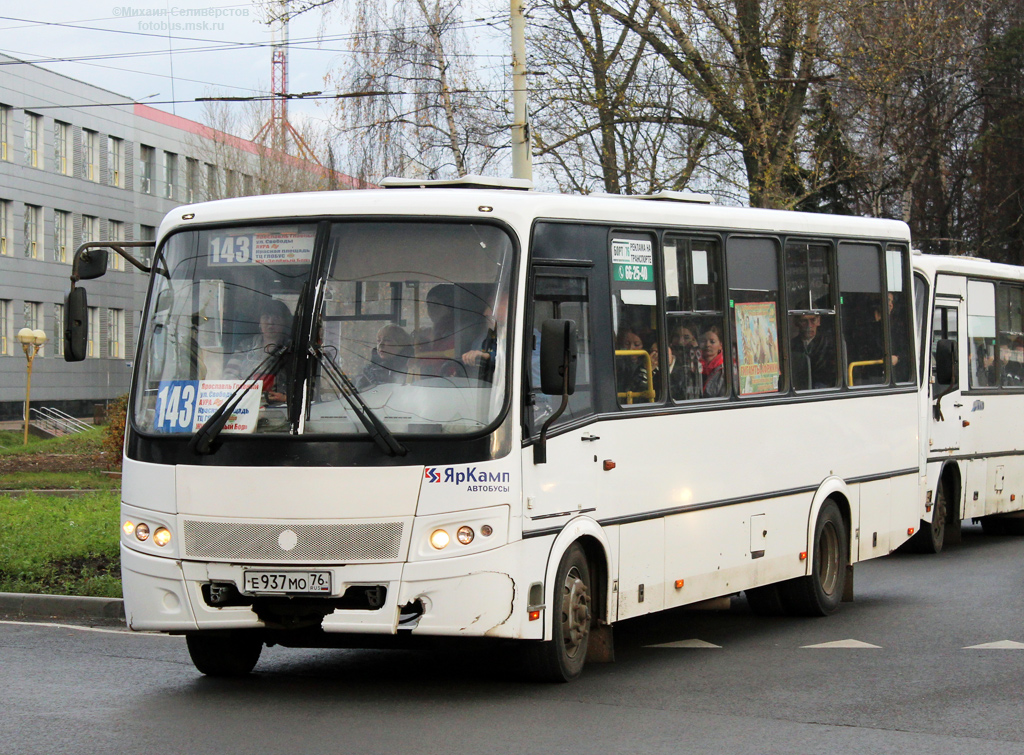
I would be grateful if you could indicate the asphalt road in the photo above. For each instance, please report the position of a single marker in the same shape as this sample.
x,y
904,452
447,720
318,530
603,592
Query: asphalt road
x,y
923,689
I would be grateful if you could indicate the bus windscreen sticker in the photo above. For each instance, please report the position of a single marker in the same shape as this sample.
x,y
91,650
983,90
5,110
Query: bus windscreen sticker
x,y
271,247
757,344
182,406
633,261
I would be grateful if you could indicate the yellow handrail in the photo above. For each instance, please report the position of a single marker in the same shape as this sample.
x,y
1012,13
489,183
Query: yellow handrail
x,y
649,394
862,364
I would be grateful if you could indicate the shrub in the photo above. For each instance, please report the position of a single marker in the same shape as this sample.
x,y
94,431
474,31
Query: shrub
x,y
113,432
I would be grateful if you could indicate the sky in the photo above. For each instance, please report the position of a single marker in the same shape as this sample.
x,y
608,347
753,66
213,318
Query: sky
x,y
166,53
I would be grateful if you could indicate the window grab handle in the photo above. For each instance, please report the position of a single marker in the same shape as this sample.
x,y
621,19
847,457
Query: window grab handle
x,y
590,437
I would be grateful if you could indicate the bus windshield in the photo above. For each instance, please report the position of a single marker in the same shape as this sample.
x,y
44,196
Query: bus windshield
x,y
407,333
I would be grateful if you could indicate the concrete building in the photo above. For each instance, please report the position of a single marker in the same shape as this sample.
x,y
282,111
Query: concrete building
x,y
79,163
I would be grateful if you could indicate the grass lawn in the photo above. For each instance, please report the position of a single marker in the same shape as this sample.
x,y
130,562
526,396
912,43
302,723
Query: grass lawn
x,y
57,545
60,546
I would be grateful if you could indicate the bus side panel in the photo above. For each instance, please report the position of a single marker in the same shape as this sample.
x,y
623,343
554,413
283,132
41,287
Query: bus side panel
x,y
641,568
724,550
875,517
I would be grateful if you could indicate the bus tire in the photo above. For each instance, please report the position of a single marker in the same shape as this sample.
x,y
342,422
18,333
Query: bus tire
x,y
821,591
224,655
562,659
932,535
765,601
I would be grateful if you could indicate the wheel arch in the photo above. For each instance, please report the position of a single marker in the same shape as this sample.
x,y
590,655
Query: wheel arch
x,y
836,490
594,542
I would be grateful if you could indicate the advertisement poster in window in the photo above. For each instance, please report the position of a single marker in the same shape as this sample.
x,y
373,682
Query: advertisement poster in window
x,y
757,347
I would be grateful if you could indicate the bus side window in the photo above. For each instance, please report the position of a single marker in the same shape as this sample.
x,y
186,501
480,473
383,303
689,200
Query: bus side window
x,y
693,304
862,313
635,319
901,348
812,315
1011,335
753,275
944,326
981,335
565,296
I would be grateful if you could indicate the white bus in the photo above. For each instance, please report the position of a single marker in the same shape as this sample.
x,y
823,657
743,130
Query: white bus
x,y
471,411
969,312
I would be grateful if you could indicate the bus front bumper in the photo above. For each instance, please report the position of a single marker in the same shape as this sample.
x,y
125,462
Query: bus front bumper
x,y
466,596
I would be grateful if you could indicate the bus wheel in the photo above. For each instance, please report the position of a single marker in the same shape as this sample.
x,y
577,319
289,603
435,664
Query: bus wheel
x,y
561,660
821,591
224,654
930,537
765,601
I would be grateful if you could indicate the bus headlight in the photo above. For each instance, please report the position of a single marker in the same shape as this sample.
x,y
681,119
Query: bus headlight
x,y
439,539
142,531
465,535
128,526
162,536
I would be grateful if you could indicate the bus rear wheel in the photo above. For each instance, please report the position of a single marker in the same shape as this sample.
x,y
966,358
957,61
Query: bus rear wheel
x,y
225,655
562,659
821,591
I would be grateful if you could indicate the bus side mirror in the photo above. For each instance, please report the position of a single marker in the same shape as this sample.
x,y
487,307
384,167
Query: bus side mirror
x,y
89,263
558,354
76,325
945,362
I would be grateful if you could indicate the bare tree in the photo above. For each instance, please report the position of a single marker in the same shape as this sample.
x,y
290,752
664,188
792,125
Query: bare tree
x,y
607,114
428,111
751,61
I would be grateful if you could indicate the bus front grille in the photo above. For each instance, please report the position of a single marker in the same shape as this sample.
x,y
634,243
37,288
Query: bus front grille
x,y
248,541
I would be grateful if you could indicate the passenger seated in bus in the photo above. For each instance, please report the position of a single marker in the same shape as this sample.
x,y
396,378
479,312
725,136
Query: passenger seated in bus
x,y
631,375
275,323
685,380
1011,359
814,354
438,339
389,361
712,362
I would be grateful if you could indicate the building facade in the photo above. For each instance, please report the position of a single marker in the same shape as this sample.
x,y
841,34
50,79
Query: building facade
x,y
79,163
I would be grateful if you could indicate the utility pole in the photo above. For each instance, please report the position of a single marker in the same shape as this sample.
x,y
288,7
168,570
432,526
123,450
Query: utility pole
x,y
522,164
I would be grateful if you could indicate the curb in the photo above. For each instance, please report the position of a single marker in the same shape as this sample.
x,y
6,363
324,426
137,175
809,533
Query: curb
x,y
68,607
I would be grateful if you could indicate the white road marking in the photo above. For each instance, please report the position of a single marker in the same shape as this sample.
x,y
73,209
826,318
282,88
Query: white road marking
x,y
841,644
1000,645
685,644
86,629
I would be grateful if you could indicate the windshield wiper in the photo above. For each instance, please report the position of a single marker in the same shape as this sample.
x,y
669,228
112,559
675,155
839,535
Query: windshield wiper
x,y
203,438
378,431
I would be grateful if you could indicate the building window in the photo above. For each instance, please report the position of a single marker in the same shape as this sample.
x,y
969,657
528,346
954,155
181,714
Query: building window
x,y
248,185
192,178
146,169
115,232
115,161
90,228
61,235
115,333
231,183
93,351
90,155
33,140
5,126
6,328
62,162
33,231
58,330
5,227
212,182
34,318
170,175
